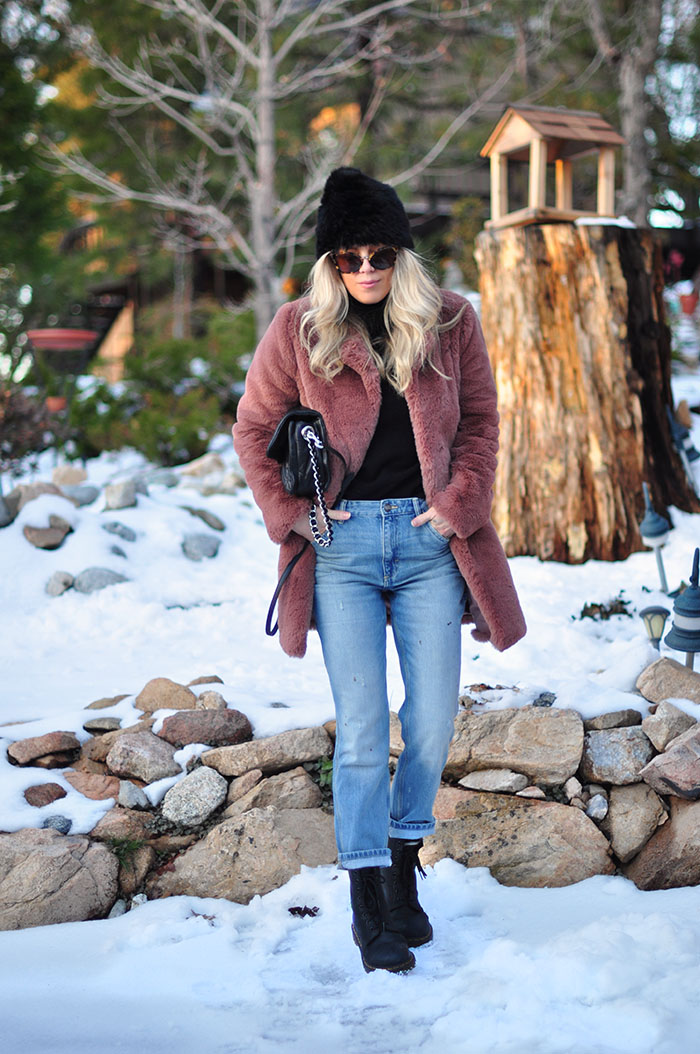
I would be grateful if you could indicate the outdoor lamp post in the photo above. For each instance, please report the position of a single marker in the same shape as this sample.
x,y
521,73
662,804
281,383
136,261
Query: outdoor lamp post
x,y
654,619
654,531
685,631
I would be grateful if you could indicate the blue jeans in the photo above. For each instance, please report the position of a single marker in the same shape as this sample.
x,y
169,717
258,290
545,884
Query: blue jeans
x,y
378,558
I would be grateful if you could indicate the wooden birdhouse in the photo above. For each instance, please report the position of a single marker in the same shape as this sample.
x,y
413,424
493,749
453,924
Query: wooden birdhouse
x,y
542,136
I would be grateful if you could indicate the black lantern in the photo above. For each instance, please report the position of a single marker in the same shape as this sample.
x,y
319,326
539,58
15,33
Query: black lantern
x,y
654,531
654,619
685,631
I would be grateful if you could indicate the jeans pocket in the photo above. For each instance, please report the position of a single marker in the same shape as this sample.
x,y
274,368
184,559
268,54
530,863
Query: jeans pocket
x,y
436,534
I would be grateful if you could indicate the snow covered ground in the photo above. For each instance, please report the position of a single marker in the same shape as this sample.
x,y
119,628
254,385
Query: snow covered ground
x,y
596,968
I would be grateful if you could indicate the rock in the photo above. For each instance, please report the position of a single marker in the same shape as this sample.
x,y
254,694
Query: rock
x,y
634,813
51,537
240,787
46,878
616,719
6,516
81,495
54,761
169,844
668,679
26,492
532,792
58,823
120,495
120,825
288,790
143,756
211,701
90,785
163,694
43,794
132,797
127,534
102,704
204,465
543,743
597,808
133,868
572,788
94,578
499,780
395,737
671,857
59,582
68,475
206,679
102,724
665,724
118,908
200,546
677,771
446,801
616,755
219,728
160,477
97,748
273,754
82,764
249,855
206,517
193,800
230,482
26,751
522,842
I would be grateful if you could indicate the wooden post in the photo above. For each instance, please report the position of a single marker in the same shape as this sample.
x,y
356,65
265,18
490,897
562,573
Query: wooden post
x,y
606,181
537,193
574,324
499,186
564,184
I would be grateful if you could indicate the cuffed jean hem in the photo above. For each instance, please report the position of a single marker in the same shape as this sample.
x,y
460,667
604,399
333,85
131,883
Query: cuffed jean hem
x,y
365,858
411,830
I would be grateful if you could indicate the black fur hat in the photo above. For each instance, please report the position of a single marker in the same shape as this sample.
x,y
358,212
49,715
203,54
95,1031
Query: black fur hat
x,y
358,210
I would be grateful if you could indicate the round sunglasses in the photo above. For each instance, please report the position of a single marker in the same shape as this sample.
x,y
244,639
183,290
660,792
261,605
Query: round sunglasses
x,y
381,260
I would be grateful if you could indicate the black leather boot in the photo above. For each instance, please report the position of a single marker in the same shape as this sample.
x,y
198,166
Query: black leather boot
x,y
404,913
380,947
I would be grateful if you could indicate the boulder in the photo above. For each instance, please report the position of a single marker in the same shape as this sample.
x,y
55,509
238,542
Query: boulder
x,y
59,582
498,780
273,754
98,747
671,857
28,751
206,517
193,800
211,701
95,578
616,755
200,546
163,694
68,475
665,724
522,842
51,537
634,813
668,679
677,771
615,719
543,743
127,534
133,868
106,701
81,495
43,794
120,495
97,725
91,785
211,678
26,492
446,801
395,737
47,877
204,465
250,855
287,790
120,825
132,797
238,788
219,728
143,756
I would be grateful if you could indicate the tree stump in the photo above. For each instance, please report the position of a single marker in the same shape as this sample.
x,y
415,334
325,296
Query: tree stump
x,y
573,319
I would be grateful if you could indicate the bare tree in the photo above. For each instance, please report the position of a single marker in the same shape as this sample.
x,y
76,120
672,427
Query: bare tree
x,y
220,74
628,39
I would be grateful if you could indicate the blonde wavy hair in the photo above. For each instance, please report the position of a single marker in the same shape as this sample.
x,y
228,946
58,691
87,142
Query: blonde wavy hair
x,y
411,317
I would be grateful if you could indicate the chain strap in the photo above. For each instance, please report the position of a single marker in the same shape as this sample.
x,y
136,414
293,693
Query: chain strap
x,y
314,443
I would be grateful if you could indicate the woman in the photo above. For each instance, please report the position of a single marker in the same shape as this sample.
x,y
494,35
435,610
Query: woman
x,y
399,371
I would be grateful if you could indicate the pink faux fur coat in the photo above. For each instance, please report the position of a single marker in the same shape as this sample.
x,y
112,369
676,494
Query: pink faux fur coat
x,y
455,424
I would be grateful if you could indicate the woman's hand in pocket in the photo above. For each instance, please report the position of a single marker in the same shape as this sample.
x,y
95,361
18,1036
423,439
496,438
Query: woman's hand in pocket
x,y
436,521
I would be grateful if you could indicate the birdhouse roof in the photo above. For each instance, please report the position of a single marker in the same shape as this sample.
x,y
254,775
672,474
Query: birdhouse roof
x,y
574,132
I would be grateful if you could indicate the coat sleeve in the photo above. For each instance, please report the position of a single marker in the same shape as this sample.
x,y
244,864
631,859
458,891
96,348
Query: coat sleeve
x,y
466,501
270,391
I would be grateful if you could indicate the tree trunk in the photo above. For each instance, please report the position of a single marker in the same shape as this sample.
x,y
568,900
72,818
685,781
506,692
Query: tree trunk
x,y
573,319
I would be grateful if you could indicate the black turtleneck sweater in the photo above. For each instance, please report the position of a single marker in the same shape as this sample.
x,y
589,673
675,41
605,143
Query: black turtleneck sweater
x,y
390,468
